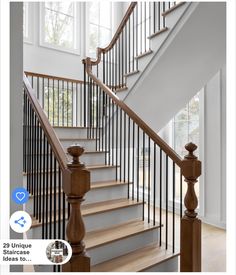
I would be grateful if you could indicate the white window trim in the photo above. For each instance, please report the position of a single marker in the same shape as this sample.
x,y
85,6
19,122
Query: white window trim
x,y
87,53
30,23
77,30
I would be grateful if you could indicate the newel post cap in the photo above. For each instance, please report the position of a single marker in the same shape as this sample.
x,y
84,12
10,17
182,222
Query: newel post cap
x,y
75,151
77,180
191,166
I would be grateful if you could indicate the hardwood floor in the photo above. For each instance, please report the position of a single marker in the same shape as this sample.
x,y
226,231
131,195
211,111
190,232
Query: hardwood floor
x,y
213,243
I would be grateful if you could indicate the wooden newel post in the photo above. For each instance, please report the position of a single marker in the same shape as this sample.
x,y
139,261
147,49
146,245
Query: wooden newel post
x,y
75,184
190,239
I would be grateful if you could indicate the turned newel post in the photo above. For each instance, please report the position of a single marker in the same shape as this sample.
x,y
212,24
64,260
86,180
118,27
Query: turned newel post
x,y
190,239
76,182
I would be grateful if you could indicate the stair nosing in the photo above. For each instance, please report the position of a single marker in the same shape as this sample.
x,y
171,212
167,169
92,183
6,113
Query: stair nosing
x,y
172,8
111,209
146,266
131,73
144,54
158,33
127,235
37,224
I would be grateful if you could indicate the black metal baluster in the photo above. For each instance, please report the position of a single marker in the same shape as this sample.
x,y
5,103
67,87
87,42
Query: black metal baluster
x,y
53,101
149,178
44,186
141,28
117,114
50,194
163,17
58,103
47,186
133,147
72,104
124,149
128,150
59,202
160,207
138,163
167,201
37,168
55,196
63,102
67,103
120,143
154,16
145,26
133,42
113,131
154,184
173,215
143,174
48,101
85,86
40,172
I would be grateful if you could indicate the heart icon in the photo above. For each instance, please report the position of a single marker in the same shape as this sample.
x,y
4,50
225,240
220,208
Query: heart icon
x,y
20,196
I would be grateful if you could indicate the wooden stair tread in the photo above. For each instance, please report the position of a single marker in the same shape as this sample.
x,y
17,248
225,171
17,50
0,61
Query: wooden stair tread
x,y
95,208
78,139
173,8
131,73
137,260
110,234
144,54
103,184
125,88
158,32
94,185
105,206
99,166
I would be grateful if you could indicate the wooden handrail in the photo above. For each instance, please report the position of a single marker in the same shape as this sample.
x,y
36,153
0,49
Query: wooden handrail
x,y
54,77
147,130
116,35
46,126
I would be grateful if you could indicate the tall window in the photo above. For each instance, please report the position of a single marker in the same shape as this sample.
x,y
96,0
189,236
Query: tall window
x,y
59,25
186,129
99,25
28,22
186,126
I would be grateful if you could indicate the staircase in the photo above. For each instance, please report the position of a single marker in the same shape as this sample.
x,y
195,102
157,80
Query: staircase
x,y
128,182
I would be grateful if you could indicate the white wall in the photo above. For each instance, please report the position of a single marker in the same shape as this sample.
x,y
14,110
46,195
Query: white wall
x,y
53,62
212,150
213,155
16,133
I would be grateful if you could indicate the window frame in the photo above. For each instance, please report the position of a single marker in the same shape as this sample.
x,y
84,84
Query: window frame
x,y
29,22
87,24
77,30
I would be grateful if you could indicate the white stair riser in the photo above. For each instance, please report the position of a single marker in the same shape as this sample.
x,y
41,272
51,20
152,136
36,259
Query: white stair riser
x,y
73,132
111,218
103,174
94,195
170,265
121,247
98,221
93,158
106,193
89,145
